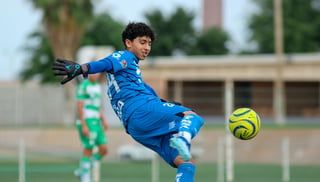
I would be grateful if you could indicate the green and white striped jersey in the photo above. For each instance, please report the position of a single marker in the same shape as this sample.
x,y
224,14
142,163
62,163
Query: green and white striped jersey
x,y
90,93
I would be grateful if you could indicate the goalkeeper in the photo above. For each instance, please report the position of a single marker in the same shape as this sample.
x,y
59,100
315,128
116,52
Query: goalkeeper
x,y
91,126
164,127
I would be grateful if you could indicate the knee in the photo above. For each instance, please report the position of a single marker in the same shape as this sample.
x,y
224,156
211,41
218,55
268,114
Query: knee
x,y
103,151
199,121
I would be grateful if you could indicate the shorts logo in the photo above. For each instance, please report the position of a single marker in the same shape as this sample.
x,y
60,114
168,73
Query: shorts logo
x,y
168,104
172,124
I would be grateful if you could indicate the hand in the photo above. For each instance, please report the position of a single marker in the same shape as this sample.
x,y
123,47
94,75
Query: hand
x,y
104,122
68,68
105,125
85,130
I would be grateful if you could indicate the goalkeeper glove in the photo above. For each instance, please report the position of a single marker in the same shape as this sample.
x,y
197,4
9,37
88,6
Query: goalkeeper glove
x,y
70,69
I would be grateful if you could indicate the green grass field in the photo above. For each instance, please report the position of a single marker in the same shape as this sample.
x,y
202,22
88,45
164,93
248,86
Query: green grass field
x,y
141,172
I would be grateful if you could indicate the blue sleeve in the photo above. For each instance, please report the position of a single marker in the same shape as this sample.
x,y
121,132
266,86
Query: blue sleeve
x,y
119,60
103,65
113,63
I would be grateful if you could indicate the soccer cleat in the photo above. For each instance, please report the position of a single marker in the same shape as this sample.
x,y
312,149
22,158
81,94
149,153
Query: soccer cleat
x,y
77,172
82,175
182,147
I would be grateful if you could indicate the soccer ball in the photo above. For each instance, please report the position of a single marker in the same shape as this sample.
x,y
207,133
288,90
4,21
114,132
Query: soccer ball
x,y
244,123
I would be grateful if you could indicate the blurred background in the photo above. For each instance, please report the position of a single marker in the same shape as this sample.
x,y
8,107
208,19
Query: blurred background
x,y
211,55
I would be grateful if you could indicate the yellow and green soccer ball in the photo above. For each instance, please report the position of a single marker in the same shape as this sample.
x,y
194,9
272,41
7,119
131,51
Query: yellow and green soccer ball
x,y
244,123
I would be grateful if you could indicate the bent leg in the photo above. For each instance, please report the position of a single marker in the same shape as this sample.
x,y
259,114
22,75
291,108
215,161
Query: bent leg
x,y
189,127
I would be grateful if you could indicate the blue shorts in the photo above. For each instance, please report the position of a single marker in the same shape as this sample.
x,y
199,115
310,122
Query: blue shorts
x,y
153,124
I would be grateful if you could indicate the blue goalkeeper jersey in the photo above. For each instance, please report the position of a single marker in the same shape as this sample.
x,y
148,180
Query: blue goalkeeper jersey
x,y
126,88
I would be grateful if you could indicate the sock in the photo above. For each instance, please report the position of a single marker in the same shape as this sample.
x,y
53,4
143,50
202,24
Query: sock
x,y
190,126
185,172
85,162
97,156
85,169
95,171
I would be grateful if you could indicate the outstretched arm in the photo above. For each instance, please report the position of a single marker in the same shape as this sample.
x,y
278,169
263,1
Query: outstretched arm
x,y
72,69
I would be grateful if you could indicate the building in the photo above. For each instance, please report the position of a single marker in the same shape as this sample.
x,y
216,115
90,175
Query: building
x,y
212,14
199,82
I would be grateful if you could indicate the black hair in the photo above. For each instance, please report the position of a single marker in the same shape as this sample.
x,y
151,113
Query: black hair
x,y
134,30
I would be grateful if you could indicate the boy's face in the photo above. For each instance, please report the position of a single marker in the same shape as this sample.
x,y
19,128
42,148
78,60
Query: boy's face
x,y
140,46
94,77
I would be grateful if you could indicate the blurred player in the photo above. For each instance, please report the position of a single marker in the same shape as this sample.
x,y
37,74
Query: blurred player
x,y
91,126
164,127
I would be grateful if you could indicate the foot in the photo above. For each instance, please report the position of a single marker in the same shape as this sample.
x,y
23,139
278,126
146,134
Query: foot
x,y
77,172
182,147
81,175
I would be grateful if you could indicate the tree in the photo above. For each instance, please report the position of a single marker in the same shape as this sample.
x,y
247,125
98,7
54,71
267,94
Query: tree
x,y
64,22
175,32
301,24
41,56
64,25
210,42
104,30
